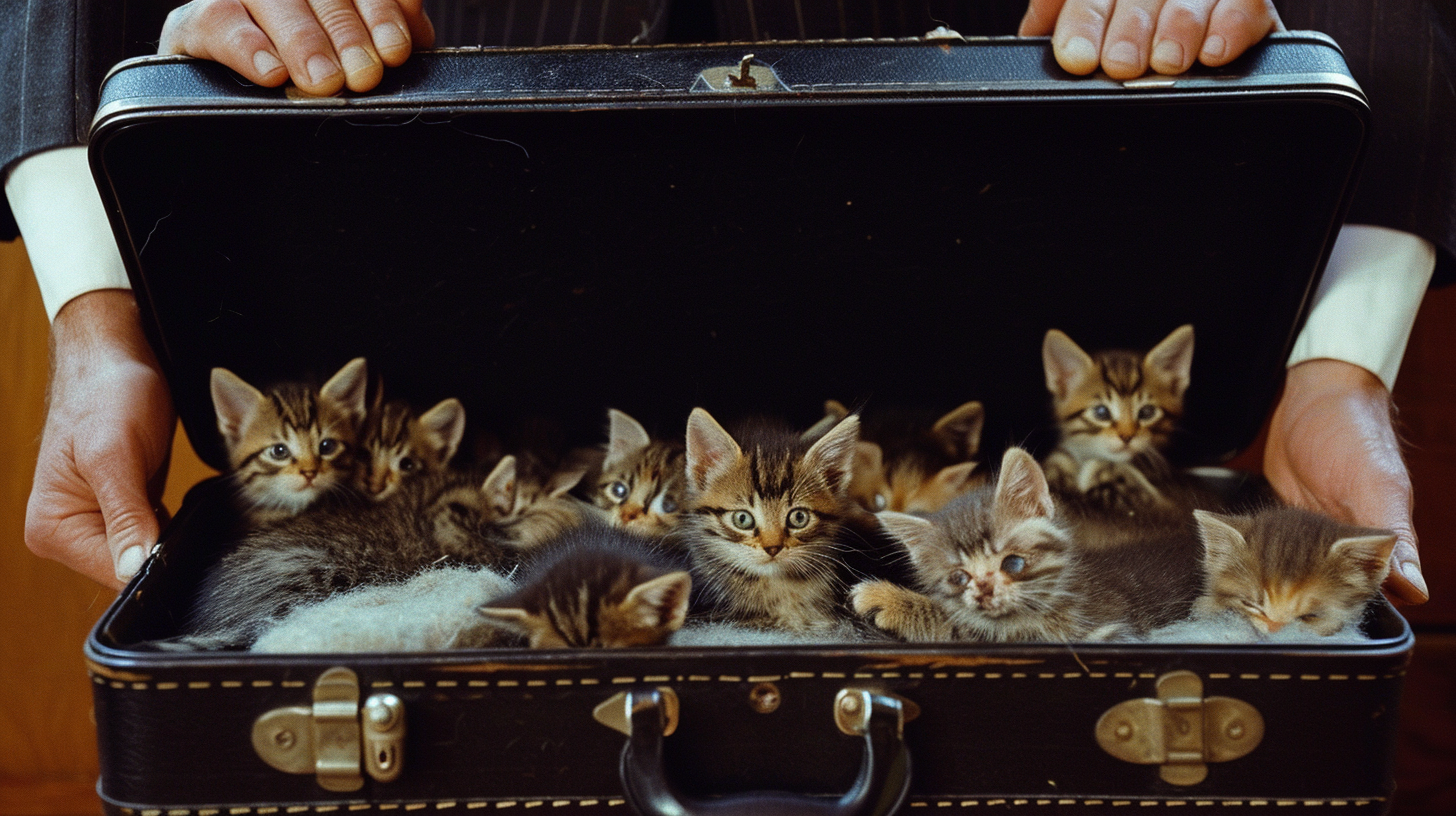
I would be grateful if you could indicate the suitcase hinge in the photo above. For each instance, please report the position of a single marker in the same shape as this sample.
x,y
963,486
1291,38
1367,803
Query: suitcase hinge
x,y
332,738
1181,730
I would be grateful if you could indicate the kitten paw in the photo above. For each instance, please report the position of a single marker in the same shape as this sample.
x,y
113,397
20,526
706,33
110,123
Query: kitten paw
x,y
899,611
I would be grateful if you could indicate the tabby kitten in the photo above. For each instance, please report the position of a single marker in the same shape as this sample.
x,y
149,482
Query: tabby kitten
x,y
398,444
1284,566
900,465
450,517
1116,412
594,587
765,515
642,482
999,564
293,444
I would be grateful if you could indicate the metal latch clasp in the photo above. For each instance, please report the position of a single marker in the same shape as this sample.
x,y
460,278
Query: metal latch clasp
x,y
746,76
1181,730
333,738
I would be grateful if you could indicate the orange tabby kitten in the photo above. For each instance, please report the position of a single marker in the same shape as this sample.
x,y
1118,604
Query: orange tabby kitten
x,y
290,446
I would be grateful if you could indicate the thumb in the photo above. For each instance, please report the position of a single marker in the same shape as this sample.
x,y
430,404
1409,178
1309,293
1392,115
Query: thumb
x,y
1405,584
131,524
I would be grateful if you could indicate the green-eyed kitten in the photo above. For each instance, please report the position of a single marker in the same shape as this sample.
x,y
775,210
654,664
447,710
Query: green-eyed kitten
x,y
398,444
291,445
594,586
999,564
641,486
901,465
766,511
1285,566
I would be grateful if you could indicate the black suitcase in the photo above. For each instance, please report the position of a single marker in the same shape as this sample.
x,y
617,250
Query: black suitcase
x,y
550,232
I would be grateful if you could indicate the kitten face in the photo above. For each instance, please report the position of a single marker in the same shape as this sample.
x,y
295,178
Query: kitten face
x,y
518,510
1117,404
1284,565
293,444
996,560
397,445
924,470
642,482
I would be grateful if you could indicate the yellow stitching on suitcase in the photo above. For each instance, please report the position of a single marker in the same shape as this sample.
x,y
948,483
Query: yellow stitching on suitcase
x,y
1248,677
1016,675
833,675
1071,675
965,675
232,684
1339,677
1150,803
1309,677
561,803
139,686
267,810
151,813
801,675
1279,677
1148,675
622,680
1219,676
588,681
319,809
864,675
117,684
298,809
565,682
207,812
616,802
1122,675
588,802
414,684
504,804
238,811
1364,677
360,807
478,683
178,812
535,683
941,675
657,678
1285,802
728,678
476,805
534,804
262,683
699,678
446,683
507,683
1046,675
294,684
444,805
889,675
416,806
752,678
199,684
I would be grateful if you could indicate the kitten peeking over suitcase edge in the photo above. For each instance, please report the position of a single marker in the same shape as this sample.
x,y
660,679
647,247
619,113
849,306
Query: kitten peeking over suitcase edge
x,y
360,533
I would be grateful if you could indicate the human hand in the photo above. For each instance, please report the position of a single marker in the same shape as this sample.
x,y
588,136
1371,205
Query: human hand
x,y
1332,448
323,45
1126,36
107,438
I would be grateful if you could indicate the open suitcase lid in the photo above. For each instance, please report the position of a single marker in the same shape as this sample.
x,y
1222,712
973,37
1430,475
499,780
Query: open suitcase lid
x,y
551,232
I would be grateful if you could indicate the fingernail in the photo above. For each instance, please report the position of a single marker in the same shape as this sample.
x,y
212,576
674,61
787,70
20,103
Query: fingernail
x,y
130,562
388,37
1079,52
1412,572
1168,57
321,69
1122,53
356,59
265,63
1213,47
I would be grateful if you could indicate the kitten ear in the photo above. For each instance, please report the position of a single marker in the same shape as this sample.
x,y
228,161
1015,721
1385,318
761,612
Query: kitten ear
x,y
500,486
625,436
950,482
919,536
567,476
833,455
1222,542
868,458
959,431
235,402
1065,363
445,426
710,449
834,411
347,388
511,619
1021,487
1369,554
661,603
1172,359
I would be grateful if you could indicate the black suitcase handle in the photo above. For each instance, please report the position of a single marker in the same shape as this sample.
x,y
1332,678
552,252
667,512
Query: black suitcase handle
x,y
884,773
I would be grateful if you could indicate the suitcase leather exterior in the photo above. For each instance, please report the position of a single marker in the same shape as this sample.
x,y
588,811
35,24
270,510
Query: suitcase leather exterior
x,y
554,231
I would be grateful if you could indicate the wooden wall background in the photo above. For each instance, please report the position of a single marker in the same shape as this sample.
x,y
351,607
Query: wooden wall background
x,y
47,751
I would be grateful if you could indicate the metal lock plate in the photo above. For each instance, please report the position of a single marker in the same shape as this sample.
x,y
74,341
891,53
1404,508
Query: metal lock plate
x,y
1181,730
745,77
328,739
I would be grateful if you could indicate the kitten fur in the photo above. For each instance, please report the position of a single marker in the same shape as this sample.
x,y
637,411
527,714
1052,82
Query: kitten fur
x,y
292,445
901,464
999,564
445,518
766,512
594,587
641,486
1283,566
398,444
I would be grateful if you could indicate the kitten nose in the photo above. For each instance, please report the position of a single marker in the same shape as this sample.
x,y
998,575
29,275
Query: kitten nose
x,y
773,550
1274,625
630,513
308,475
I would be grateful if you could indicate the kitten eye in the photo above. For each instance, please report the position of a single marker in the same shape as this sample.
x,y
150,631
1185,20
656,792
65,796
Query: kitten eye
x,y
617,490
328,446
799,518
742,519
279,452
1147,413
880,502
1101,413
960,578
407,465
1013,564
668,504
1310,618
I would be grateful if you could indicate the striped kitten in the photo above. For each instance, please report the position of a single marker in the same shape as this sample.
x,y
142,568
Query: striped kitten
x,y
1284,566
1000,564
901,465
293,444
641,485
397,444
594,587
1116,412
450,517
766,511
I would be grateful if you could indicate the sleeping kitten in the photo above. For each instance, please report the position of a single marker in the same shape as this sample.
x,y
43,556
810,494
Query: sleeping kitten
x,y
594,587
764,521
901,465
1285,566
292,445
641,484
999,564
450,518
397,444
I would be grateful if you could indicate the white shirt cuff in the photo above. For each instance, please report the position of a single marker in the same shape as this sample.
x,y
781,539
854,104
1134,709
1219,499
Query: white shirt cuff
x,y
65,228
1367,300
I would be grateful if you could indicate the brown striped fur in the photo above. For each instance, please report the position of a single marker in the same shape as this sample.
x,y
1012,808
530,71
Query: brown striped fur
x,y
641,486
901,464
398,444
